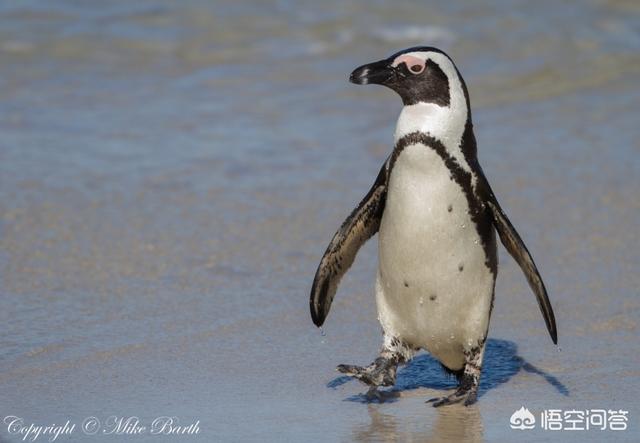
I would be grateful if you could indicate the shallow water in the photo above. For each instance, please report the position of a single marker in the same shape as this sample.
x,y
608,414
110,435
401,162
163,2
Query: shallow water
x,y
170,174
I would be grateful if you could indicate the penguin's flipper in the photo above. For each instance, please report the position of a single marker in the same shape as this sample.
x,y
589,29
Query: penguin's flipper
x,y
361,224
516,247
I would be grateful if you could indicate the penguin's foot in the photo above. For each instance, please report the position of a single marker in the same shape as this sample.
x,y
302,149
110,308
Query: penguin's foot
x,y
469,380
382,372
466,396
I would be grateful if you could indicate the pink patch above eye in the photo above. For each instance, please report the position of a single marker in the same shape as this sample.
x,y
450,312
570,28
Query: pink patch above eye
x,y
416,65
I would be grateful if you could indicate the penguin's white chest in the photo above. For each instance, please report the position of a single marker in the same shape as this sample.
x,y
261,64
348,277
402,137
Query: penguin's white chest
x,y
433,289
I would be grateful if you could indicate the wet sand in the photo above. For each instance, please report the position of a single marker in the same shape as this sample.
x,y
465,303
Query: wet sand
x,y
170,176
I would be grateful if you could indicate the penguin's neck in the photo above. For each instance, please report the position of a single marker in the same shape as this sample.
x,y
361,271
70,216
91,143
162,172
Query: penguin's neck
x,y
444,123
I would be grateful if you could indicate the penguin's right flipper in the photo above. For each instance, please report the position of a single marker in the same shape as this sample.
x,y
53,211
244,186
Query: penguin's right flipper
x,y
361,225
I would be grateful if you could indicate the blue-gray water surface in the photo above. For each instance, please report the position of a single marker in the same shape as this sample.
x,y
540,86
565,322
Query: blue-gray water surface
x,y
171,172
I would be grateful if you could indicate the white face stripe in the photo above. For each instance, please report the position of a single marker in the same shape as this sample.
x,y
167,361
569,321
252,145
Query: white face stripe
x,y
443,123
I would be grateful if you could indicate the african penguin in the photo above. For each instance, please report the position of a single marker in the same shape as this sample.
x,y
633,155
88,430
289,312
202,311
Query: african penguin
x,y
436,216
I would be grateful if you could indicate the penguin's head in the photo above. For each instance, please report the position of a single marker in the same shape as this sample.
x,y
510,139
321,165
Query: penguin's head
x,y
419,75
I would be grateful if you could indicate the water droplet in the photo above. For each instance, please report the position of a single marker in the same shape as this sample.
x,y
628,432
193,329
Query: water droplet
x,y
559,349
476,242
452,337
324,334
421,301
464,226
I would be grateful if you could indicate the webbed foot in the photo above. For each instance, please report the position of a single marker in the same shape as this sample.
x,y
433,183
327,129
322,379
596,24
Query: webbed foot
x,y
466,396
382,372
467,391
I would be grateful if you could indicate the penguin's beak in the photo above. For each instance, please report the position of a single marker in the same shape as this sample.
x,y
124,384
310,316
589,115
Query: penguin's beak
x,y
376,73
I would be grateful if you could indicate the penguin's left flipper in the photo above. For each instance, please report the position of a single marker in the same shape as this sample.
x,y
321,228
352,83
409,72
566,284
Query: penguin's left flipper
x,y
516,247
361,225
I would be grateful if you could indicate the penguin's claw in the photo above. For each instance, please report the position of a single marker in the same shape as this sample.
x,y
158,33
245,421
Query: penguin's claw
x,y
351,370
363,374
468,397
373,375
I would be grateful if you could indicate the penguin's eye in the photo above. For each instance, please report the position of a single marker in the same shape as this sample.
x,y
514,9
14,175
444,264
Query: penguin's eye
x,y
416,69
414,65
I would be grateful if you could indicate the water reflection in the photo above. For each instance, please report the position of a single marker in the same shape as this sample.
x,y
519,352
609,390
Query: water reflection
x,y
456,423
